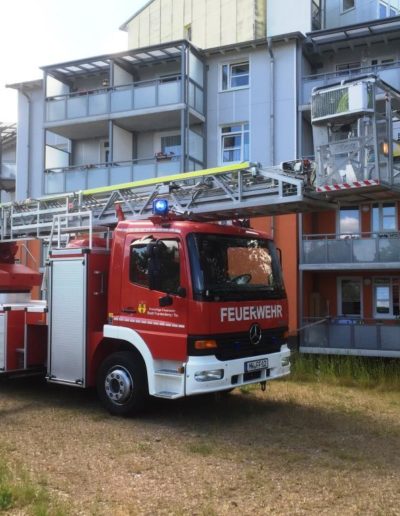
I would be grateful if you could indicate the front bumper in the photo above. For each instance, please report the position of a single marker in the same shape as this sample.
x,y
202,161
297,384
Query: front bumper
x,y
234,374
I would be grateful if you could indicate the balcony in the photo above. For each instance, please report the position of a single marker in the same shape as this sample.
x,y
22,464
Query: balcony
x,y
130,98
340,252
388,73
72,179
350,336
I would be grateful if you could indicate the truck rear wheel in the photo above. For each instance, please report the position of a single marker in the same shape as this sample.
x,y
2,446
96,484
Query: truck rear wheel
x,y
122,383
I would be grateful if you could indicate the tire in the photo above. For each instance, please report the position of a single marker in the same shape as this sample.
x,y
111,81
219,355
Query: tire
x,y
122,383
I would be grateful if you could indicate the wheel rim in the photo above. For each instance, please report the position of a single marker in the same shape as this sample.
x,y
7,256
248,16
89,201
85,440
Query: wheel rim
x,y
119,385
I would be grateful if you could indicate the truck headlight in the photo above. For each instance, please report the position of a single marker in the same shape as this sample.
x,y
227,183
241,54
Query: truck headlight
x,y
285,361
208,376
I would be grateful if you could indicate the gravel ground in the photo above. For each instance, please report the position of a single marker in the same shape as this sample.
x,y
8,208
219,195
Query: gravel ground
x,y
295,449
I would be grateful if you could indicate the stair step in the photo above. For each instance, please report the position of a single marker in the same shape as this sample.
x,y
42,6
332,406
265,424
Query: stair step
x,y
168,372
167,394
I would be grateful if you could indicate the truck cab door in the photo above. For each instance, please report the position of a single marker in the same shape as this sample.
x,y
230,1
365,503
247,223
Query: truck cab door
x,y
154,293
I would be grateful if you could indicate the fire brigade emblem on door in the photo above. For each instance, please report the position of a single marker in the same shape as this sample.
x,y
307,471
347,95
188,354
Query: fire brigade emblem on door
x,y
255,334
142,308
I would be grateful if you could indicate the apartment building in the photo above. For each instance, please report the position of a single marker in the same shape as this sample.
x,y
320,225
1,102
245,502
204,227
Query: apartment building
x,y
350,257
210,83
8,142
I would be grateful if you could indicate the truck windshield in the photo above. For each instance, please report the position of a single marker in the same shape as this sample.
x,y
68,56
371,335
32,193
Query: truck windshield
x,y
229,267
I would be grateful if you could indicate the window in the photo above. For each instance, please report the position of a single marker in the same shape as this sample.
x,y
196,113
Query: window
x,y
386,297
349,221
171,145
155,261
347,5
386,10
235,75
349,290
235,143
384,217
344,68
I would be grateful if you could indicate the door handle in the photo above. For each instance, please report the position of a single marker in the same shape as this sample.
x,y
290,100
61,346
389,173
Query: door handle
x,y
129,310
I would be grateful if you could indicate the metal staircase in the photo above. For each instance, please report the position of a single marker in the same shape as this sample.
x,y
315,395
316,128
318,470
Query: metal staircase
x,y
223,193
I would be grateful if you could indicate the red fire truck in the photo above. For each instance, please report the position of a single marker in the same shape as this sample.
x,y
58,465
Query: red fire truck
x,y
163,306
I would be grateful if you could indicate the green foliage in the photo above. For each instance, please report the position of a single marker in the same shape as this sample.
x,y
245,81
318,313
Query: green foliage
x,y
364,372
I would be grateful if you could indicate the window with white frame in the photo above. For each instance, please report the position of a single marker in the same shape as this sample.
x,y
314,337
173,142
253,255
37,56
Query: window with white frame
x,y
235,143
235,75
347,5
349,297
386,10
384,217
386,298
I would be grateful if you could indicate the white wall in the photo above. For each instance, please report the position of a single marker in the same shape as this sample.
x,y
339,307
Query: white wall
x,y
30,145
286,16
122,144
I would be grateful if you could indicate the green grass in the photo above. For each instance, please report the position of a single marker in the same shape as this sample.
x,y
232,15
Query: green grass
x,y
349,371
18,491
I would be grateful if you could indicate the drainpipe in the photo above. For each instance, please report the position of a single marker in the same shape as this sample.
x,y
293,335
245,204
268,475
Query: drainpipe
x,y
271,103
28,145
271,116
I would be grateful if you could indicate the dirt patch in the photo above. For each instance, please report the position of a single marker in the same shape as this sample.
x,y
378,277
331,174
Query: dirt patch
x,y
296,449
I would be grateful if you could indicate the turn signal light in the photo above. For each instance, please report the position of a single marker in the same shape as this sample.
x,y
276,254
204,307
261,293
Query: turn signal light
x,y
205,344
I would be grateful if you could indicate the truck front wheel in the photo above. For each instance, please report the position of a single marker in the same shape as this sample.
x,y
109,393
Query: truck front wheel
x,y
122,383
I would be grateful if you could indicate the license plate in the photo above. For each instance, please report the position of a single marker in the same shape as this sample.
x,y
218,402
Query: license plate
x,y
255,365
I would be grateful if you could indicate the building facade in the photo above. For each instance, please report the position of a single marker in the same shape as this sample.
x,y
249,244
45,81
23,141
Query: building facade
x,y
210,83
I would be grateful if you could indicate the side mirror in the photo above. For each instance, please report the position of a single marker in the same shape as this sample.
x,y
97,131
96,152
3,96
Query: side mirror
x,y
165,301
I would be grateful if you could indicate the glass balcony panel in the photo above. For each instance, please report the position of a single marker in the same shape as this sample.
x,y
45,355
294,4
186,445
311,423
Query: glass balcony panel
x,y
144,96
75,180
98,103
54,182
196,145
121,174
77,106
390,337
389,249
55,110
196,69
8,170
340,335
199,102
169,93
339,251
121,99
97,177
364,250
192,95
167,168
144,171
365,336
315,336
314,251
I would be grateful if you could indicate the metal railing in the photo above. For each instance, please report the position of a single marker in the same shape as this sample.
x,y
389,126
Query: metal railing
x,y
361,248
378,337
83,177
128,97
387,72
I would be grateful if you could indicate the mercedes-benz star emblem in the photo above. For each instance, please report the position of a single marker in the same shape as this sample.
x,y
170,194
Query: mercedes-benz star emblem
x,y
255,334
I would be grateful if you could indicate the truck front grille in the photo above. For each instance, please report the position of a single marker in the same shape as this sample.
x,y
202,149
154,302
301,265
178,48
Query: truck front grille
x,y
238,345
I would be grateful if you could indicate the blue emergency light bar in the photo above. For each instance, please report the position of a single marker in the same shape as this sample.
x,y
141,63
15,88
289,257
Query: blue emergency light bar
x,y
160,207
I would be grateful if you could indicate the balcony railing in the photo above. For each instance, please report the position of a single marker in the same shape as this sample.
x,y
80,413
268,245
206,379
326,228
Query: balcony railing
x,y
127,98
72,179
387,72
330,250
351,336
